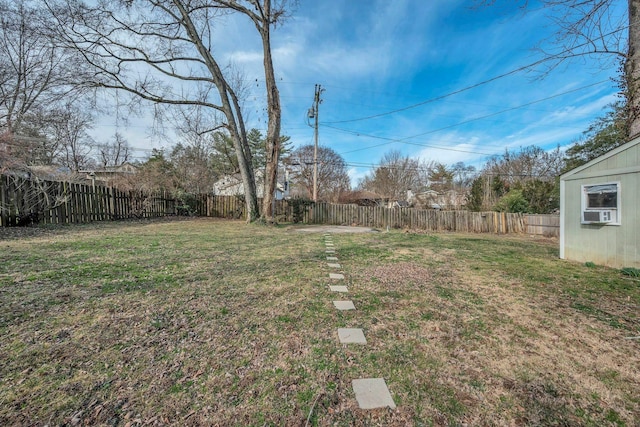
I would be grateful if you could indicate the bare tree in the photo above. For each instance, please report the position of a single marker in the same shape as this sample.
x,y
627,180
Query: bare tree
x,y
333,179
530,170
596,28
264,14
632,70
463,175
8,159
527,164
115,152
159,51
35,72
395,175
33,146
193,169
69,127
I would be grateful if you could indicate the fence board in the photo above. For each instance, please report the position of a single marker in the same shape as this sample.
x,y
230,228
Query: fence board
x,y
545,225
380,217
66,202
53,202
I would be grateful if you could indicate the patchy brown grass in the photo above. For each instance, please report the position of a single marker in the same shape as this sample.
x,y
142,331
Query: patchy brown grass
x,y
207,322
491,341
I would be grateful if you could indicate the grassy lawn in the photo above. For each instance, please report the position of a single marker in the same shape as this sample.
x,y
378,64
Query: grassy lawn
x,y
208,322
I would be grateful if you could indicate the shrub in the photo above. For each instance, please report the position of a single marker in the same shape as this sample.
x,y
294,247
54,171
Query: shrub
x,y
513,201
300,207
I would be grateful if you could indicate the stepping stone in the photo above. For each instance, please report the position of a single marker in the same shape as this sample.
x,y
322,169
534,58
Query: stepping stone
x,y
336,276
332,258
351,336
372,393
338,288
330,251
333,265
329,245
344,305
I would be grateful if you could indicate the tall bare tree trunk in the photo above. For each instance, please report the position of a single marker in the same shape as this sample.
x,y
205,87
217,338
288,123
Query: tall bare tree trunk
x,y
245,163
272,143
264,15
233,113
632,69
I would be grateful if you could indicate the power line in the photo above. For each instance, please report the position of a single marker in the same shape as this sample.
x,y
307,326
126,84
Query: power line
x,y
509,109
404,140
484,82
373,166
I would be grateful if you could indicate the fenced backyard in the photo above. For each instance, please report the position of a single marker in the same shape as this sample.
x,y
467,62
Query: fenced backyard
x,y
207,322
23,201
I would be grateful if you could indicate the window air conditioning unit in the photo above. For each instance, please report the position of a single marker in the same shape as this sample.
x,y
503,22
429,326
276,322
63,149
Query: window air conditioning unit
x,y
597,217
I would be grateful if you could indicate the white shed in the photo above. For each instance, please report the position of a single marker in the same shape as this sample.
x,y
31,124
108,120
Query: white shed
x,y
599,209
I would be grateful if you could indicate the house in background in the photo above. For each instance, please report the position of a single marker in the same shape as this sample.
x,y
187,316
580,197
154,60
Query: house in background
x,y
110,173
231,185
361,198
600,209
430,199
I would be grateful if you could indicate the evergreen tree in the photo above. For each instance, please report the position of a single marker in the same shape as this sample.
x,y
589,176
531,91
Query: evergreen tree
x,y
476,196
603,135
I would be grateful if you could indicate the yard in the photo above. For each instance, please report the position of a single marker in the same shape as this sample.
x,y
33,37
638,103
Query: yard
x,y
211,322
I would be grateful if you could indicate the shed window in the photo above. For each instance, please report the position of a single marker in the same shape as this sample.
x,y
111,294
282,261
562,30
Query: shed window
x,y
601,203
602,196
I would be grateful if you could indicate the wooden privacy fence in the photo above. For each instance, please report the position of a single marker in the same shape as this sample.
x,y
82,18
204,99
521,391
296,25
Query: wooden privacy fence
x,y
420,219
233,207
375,217
24,201
542,225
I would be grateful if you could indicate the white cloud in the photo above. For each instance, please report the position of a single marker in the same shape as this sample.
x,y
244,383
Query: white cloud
x,y
356,174
243,57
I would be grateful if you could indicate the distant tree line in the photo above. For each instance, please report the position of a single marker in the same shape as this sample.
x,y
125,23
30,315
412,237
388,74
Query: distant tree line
x,y
523,180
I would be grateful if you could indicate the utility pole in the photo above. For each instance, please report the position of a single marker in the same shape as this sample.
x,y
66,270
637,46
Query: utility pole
x,y
313,114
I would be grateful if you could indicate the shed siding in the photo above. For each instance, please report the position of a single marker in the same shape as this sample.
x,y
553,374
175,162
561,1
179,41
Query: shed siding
x,y
611,245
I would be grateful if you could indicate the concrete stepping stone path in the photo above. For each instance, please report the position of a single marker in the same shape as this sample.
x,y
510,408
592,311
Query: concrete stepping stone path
x,y
344,305
372,393
351,336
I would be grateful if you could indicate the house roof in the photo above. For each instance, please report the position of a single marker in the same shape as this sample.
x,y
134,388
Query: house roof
x,y
602,158
364,194
121,168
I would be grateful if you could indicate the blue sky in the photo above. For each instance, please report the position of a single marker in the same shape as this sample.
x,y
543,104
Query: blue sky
x,y
375,57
